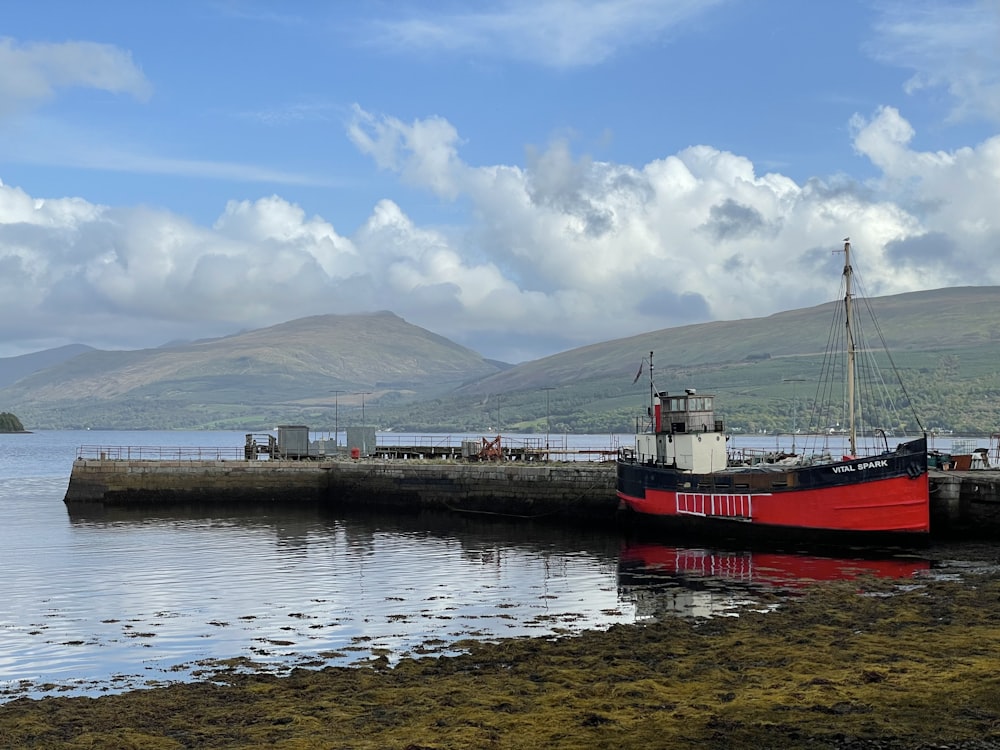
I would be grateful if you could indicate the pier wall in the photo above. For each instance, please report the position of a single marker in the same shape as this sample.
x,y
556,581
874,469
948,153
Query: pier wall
x,y
581,490
965,504
962,502
973,501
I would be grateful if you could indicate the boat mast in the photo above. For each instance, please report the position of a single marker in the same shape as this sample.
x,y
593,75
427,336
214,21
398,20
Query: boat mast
x,y
848,274
652,413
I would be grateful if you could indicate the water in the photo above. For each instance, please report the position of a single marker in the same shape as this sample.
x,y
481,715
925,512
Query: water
x,y
111,600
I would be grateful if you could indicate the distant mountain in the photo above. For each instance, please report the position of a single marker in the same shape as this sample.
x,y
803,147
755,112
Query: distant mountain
x,y
933,321
287,372
329,371
945,342
13,369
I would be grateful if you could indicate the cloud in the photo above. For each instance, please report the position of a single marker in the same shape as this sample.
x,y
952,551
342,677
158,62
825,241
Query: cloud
x,y
557,34
931,247
54,144
563,251
30,73
947,45
733,221
954,194
424,152
295,112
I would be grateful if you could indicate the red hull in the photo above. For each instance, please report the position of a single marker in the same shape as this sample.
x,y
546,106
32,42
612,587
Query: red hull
x,y
894,505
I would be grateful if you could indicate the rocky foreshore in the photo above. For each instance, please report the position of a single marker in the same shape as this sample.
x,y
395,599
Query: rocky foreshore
x,y
870,663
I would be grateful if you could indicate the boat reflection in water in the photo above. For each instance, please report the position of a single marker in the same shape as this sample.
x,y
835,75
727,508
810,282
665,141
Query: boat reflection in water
x,y
700,582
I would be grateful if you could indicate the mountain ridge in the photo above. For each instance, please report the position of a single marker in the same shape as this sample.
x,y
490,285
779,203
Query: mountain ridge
x,y
307,369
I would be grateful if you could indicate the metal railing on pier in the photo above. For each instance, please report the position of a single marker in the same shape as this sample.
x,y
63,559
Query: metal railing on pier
x,y
388,446
500,447
159,453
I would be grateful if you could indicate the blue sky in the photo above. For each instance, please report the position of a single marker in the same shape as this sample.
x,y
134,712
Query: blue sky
x,y
522,177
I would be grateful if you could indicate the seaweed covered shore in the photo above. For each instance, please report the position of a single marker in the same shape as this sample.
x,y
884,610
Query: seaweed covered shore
x,y
864,664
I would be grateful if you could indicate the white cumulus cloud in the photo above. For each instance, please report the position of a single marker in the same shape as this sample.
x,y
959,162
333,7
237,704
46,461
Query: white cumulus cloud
x,y
561,251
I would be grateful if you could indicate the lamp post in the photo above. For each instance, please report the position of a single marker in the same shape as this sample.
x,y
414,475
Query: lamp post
x,y
548,426
336,418
363,394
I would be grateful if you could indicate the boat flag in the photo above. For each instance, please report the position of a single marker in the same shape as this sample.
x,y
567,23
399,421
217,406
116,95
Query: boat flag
x,y
638,374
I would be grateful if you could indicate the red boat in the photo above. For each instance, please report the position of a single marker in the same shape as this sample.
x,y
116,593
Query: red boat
x,y
681,472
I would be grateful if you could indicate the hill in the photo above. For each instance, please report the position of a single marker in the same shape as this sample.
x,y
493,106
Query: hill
x,y
13,369
945,343
290,372
324,371
936,321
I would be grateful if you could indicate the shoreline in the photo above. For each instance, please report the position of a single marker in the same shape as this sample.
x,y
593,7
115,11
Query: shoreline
x,y
869,663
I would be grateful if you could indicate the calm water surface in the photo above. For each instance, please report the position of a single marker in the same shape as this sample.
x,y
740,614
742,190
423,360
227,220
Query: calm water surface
x,y
111,600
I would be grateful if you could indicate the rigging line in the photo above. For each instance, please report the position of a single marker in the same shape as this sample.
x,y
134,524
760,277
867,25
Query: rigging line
x,y
821,403
839,365
892,363
877,399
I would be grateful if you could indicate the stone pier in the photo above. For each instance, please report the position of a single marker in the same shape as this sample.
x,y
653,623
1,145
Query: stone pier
x,y
578,490
966,502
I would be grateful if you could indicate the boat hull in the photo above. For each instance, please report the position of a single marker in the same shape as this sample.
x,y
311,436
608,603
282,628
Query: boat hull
x,y
885,494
